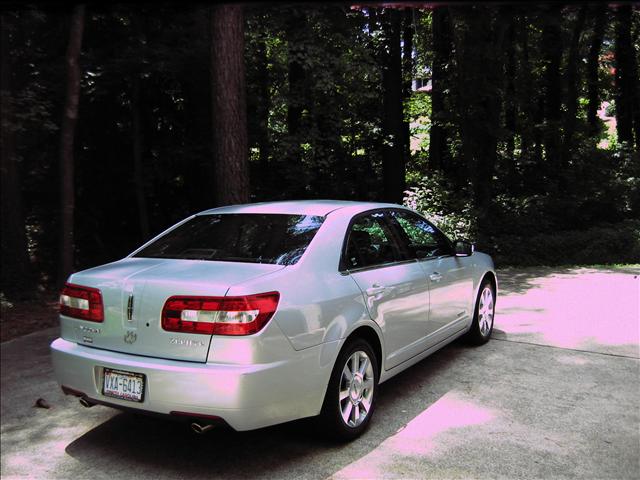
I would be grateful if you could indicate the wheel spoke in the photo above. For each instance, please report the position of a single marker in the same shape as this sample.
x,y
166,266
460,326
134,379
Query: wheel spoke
x,y
367,384
356,414
343,394
363,366
355,360
365,404
346,373
346,412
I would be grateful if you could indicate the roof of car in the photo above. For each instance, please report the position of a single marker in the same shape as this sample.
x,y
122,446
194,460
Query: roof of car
x,y
299,207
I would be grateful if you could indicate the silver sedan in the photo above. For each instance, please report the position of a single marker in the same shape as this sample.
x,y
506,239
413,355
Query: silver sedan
x,y
253,315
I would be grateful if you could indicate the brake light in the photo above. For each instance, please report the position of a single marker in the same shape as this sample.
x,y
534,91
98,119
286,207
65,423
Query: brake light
x,y
81,302
219,315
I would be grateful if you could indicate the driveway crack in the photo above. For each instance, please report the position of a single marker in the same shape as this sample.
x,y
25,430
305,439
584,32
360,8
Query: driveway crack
x,y
566,348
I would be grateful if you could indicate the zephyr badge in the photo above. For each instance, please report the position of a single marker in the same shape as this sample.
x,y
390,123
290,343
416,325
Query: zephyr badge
x,y
130,337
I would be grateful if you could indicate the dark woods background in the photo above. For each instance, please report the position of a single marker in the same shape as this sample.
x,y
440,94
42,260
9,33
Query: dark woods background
x,y
117,121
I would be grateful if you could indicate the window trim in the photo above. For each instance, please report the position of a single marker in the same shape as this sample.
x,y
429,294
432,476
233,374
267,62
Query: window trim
x,y
342,265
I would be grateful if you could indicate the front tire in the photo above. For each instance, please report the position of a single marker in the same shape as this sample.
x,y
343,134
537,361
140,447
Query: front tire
x,y
350,399
484,314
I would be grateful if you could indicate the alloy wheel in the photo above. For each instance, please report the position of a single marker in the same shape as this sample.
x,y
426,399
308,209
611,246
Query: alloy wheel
x,y
486,311
356,389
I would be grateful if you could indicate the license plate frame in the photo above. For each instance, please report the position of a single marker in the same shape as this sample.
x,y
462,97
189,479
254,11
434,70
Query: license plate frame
x,y
115,375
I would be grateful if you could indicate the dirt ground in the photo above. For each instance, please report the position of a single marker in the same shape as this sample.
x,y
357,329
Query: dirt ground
x,y
22,318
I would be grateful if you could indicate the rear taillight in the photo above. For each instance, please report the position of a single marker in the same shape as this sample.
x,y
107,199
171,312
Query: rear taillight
x,y
81,302
219,315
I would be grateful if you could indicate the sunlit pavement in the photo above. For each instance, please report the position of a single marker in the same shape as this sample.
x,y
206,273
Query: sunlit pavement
x,y
556,393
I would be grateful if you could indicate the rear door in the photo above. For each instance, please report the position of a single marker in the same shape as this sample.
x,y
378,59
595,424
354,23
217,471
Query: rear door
x,y
394,286
450,282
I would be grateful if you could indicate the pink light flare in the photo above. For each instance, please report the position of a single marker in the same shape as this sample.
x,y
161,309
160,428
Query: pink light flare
x,y
427,435
584,309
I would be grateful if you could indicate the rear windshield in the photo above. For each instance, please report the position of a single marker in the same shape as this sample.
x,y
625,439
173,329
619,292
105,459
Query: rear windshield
x,y
243,237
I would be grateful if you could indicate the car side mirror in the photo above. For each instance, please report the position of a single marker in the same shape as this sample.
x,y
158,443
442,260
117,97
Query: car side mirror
x,y
463,248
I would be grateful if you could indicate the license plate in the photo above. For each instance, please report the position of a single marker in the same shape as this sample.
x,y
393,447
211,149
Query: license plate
x,y
123,385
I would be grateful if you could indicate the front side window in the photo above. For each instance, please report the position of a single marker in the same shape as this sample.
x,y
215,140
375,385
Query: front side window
x,y
370,242
244,237
422,239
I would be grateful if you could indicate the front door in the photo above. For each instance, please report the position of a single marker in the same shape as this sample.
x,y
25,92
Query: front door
x,y
394,286
450,285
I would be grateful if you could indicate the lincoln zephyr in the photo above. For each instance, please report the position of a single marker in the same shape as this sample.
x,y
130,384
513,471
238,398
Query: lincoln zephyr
x,y
258,314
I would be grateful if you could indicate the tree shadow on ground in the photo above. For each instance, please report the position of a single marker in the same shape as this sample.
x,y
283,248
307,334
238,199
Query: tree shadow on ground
x,y
517,281
127,442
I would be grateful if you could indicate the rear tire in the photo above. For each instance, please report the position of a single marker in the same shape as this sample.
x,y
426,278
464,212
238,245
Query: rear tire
x,y
483,316
351,395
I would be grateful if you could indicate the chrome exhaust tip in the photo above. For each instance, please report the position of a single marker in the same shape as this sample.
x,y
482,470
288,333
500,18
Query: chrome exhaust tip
x,y
86,403
201,429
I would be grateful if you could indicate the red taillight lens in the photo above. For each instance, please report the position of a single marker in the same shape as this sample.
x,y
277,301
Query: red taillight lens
x,y
219,315
81,302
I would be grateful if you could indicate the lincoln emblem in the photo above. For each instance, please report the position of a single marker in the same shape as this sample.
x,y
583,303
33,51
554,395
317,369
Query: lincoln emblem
x,y
130,337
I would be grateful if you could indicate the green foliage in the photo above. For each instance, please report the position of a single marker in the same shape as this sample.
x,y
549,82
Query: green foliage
x,y
610,110
538,209
453,213
599,244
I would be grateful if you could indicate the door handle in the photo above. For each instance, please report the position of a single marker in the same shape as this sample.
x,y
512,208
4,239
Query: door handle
x,y
435,277
375,290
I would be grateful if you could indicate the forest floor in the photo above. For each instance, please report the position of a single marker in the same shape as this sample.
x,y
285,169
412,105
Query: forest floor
x,y
24,317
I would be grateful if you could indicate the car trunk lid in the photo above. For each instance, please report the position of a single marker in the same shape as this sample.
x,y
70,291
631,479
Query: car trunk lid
x,y
134,291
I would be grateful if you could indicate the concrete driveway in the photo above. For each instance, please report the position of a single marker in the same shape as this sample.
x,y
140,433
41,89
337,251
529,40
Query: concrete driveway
x,y
555,393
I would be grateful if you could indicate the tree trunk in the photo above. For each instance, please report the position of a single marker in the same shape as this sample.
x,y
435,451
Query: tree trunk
x,y
138,169
67,137
571,82
627,108
479,95
531,137
393,166
593,63
230,137
488,127
551,45
510,102
196,81
264,104
295,27
17,276
438,144
407,77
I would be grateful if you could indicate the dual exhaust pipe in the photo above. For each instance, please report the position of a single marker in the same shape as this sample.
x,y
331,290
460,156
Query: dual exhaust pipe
x,y
86,403
201,429
198,428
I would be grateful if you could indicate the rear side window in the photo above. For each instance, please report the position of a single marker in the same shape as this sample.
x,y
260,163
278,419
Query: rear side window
x,y
422,239
244,237
370,242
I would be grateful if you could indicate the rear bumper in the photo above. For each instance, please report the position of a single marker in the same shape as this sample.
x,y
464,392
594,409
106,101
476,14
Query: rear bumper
x,y
244,396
